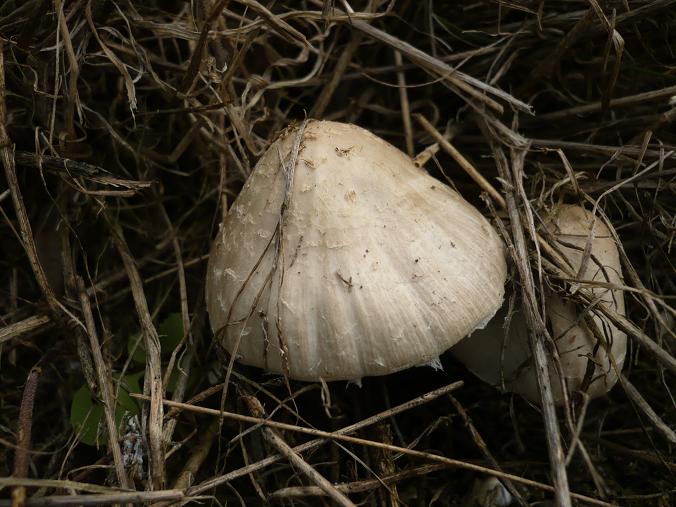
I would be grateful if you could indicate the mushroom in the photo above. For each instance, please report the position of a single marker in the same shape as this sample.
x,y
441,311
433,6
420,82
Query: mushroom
x,y
341,259
496,356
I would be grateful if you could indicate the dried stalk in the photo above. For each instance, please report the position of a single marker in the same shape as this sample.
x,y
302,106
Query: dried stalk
x,y
187,476
409,405
153,377
295,459
105,386
377,445
355,487
7,156
462,161
135,497
535,324
23,440
405,107
481,444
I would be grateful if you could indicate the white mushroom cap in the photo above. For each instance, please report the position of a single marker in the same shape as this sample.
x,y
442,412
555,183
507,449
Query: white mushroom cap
x,y
341,259
483,352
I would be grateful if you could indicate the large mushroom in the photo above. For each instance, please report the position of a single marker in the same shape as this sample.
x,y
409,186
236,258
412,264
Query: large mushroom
x,y
503,358
341,259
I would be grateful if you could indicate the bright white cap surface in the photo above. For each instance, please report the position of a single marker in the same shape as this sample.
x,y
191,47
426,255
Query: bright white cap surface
x,y
341,259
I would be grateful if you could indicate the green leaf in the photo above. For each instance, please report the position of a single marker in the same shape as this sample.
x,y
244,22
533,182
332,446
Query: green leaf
x,y
85,416
173,379
130,384
171,332
136,349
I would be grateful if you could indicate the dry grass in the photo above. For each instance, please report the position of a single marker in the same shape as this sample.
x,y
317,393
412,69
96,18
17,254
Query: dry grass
x,y
128,128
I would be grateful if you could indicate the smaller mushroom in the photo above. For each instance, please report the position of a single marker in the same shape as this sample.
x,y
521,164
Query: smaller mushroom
x,y
503,359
